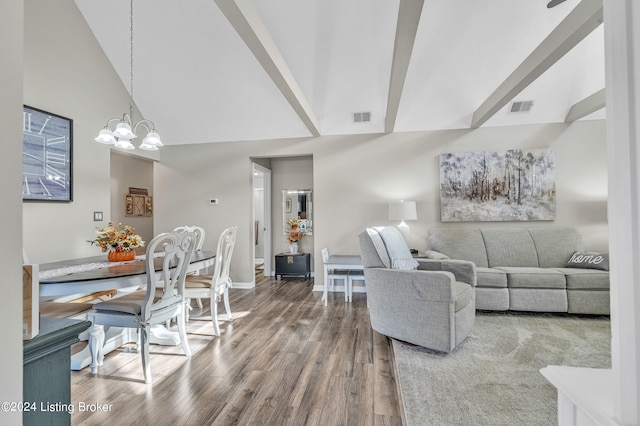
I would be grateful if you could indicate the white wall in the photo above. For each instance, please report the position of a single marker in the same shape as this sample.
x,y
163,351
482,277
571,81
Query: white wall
x,y
11,29
128,171
355,177
66,72
289,173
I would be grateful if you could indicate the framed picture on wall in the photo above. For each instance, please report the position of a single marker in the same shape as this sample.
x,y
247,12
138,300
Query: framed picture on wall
x,y
512,185
47,154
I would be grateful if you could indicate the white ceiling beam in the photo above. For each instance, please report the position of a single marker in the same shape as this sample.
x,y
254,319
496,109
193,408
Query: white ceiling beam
x,y
246,21
580,22
586,106
409,14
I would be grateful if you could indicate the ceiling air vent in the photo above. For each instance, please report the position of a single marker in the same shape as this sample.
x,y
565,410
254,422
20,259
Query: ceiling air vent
x,y
521,106
361,117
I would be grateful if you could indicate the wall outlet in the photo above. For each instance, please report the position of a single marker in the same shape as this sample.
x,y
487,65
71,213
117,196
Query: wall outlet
x,y
213,201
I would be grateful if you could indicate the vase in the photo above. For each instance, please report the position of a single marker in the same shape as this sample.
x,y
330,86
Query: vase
x,y
121,256
293,248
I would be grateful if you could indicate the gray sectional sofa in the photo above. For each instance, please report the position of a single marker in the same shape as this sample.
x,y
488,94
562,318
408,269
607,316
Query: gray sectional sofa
x,y
526,269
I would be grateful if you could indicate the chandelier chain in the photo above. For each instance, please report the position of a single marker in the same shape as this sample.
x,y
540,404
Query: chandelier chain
x,y
120,136
131,59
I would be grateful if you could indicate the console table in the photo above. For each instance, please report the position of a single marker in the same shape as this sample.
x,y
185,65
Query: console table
x,y
298,264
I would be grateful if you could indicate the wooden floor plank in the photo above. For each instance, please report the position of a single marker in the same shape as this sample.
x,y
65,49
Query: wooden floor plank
x,y
284,359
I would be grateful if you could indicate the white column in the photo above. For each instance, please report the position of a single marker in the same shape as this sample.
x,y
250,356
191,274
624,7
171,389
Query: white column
x,y
622,53
11,84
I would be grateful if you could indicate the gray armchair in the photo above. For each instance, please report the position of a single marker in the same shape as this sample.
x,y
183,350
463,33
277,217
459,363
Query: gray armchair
x,y
431,306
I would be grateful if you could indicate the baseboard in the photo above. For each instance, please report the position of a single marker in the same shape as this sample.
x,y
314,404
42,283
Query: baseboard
x,y
339,288
244,286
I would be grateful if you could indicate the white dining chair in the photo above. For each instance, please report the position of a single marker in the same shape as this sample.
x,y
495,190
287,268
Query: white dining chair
x,y
355,275
334,274
200,235
152,306
215,286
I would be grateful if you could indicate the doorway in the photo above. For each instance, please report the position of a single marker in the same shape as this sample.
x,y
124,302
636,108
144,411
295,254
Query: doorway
x,y
262,219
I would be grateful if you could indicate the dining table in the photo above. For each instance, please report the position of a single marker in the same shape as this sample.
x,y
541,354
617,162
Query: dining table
x,y
94,275
343,262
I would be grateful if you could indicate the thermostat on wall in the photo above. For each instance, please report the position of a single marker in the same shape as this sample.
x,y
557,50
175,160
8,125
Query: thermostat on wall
x,y
213,201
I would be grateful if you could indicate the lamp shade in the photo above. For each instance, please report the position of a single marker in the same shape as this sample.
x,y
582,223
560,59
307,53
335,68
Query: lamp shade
x,y
404,210
123,131
152,139
124,144
106,137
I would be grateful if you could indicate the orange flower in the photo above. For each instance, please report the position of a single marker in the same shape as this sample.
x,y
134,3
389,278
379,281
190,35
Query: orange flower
x,y
295,236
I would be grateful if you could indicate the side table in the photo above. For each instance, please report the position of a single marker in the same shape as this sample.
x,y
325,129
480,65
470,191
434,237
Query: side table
x,y
289,264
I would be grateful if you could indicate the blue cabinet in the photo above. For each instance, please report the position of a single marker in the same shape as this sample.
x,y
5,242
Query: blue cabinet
x,y
46,372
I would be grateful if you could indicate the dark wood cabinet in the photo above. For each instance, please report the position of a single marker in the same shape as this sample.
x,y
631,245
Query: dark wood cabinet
x,y
298,265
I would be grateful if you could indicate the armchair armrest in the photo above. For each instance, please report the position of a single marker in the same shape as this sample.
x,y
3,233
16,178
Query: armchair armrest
x,y
412,285
432,254
463,270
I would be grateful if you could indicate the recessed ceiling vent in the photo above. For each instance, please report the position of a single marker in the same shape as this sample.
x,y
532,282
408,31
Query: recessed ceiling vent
x,y
521,106
361,117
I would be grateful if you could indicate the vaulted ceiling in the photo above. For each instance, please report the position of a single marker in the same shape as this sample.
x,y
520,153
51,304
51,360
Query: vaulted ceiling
x,y
230,70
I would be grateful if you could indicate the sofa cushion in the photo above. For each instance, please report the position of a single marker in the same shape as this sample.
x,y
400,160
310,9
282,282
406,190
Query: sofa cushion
x,y
555,245
589,260
492,299
589,302
585,279
490,277
538,300
459,243
509,247
534,278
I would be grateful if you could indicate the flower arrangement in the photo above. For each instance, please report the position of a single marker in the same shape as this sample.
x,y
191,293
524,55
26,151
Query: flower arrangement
x,y
294,236
293,223
117,238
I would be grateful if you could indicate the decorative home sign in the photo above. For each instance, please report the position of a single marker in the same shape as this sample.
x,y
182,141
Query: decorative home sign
x,y
47,141
513,185
138,203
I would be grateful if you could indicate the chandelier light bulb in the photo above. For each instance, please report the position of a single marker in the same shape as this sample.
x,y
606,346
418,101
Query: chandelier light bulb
x,y
123,131
106,137
152,139
148,147
124,144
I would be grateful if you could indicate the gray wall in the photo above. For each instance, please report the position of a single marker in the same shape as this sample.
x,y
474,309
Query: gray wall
x,y
355,177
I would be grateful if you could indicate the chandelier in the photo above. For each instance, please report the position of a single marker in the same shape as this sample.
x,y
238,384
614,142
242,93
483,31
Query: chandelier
x,y
121,136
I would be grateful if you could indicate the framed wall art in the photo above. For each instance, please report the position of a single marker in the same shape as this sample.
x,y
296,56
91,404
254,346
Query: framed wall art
x,y
513,185
47,154
138,205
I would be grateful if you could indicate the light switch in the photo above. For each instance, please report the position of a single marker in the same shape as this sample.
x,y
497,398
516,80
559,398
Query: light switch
x,y
97,216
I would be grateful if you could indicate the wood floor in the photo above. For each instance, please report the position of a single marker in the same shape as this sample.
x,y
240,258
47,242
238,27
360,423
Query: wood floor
x,y
286,359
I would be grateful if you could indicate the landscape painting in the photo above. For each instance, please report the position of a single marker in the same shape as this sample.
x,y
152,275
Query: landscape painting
x,y
513,185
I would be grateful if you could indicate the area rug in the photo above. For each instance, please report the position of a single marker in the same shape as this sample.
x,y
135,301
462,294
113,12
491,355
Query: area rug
x,y
493,377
